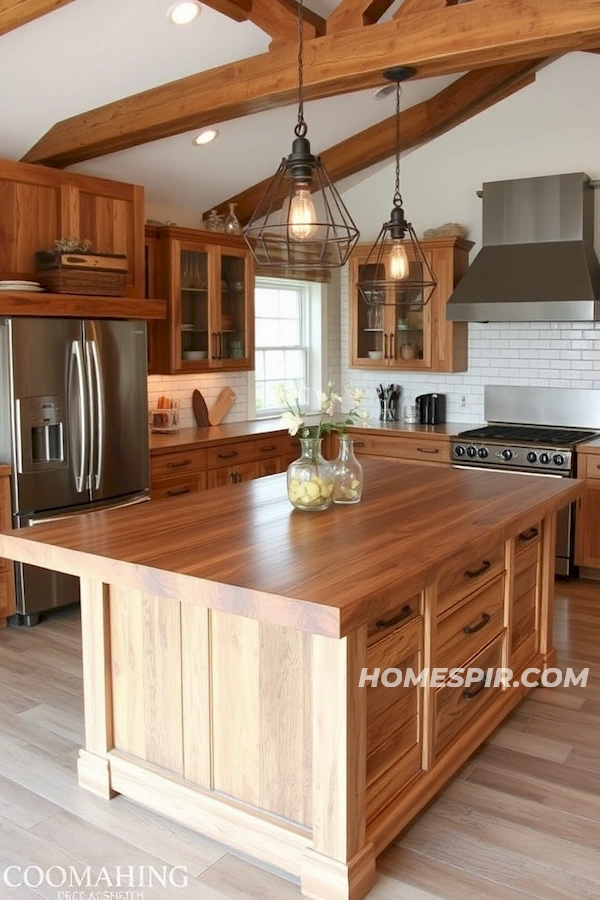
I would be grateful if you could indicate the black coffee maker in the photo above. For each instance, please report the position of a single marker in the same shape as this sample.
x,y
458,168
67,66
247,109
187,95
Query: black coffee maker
x,y
431,409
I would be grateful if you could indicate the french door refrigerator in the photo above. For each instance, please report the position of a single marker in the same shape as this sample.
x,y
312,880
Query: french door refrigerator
x,y
73,425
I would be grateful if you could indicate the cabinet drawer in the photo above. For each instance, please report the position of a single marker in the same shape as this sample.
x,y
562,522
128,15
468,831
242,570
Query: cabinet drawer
x,y
588,465
468,573
524,595
457,706
177,463
471,625
243,452
529,537
178,485
389,623
423,449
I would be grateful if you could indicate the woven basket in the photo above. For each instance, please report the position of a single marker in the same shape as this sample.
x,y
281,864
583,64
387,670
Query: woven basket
x,y
83,281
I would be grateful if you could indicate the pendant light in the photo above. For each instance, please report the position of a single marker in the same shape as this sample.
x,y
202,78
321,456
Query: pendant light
x,y
396,270
301,221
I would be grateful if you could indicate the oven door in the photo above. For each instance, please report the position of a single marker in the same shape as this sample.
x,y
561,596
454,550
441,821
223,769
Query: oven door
x,y
564,566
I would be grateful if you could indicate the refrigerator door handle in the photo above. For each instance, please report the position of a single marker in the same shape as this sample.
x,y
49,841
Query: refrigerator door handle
x,y
99,401
81,476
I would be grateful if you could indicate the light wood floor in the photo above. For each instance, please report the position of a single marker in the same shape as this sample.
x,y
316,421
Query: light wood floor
x,y
521,820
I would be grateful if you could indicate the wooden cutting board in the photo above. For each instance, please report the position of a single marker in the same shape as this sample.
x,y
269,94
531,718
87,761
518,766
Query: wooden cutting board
x,y
200,410
221,406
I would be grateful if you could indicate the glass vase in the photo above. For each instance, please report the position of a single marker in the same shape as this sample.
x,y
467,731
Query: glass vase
x,y
347,473
310,477
232,224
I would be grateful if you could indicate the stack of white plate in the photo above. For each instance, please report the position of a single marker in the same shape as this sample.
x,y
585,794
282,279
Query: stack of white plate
x,y
31,286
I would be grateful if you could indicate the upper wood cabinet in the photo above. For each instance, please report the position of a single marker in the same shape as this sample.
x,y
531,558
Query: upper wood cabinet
x,y
414,338
40,205
207,279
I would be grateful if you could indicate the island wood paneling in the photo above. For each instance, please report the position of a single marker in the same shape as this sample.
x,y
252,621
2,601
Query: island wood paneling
x,y
145,638
260,674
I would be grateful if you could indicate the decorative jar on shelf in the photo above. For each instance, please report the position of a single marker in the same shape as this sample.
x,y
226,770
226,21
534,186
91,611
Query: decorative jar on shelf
x,y
347,473
232,225
310,477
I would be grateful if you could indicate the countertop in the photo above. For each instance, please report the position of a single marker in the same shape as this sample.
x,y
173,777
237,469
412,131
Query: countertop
x,y
188,438
4,470
244,549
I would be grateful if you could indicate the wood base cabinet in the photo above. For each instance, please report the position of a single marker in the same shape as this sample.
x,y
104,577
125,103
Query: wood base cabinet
x,y
587,526
7,585
401,335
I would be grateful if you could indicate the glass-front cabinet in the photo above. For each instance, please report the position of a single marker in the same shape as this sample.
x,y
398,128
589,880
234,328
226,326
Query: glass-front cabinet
x,y
208,281
399,330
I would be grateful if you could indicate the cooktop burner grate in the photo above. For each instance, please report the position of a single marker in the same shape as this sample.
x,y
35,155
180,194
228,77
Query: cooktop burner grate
x,y
532,434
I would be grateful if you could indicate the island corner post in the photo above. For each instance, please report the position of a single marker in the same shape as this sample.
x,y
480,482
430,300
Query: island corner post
x,y
223,690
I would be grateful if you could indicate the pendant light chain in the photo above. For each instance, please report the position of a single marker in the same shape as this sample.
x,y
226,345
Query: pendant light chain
x,y
301,127
397,194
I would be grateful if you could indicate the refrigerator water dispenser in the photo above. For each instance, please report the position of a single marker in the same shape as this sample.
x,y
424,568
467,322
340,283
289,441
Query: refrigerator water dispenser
x,y
41,434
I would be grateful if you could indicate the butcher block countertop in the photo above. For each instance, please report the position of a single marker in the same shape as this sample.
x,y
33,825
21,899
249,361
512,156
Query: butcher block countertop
x,y
244,549
189,438
4,470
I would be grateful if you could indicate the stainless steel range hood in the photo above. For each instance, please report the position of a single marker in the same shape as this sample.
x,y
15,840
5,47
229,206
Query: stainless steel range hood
x,y
537,262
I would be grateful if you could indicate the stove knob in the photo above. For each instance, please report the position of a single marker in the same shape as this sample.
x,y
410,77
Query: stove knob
x,y
482,452
531,457
558,459
471,451
506,454
459,450
544,458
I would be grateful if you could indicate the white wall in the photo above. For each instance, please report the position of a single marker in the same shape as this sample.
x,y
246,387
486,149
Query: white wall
x,y
547,128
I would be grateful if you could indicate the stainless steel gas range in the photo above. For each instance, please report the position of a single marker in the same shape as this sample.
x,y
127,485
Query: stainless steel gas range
x,y
534,431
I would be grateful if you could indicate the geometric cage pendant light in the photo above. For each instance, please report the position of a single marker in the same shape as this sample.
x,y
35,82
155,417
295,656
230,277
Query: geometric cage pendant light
x,y
396,270
301,221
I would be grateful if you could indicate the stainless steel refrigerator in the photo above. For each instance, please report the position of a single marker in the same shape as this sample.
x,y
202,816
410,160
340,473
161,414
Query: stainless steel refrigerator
x,y
73,425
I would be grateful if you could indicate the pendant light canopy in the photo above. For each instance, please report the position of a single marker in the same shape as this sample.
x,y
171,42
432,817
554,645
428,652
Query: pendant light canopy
x,y
396,270
301,221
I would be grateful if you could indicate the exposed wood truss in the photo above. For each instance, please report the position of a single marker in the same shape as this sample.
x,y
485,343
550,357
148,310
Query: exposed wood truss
x,y
350,14
14,13
466,97
466,36
411,6
277,18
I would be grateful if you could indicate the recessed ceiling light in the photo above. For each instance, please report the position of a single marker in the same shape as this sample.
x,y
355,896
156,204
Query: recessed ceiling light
x,y
205,137
184,12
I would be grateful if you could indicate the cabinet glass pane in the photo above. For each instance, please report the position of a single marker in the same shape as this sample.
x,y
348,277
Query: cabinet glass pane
x,y
194,304
370,320
233,306
408,317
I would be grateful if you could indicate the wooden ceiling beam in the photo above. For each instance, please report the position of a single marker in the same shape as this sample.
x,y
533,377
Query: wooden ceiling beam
x,y
415,6
277,18
14,13
238,10
467,36
350,14
423,122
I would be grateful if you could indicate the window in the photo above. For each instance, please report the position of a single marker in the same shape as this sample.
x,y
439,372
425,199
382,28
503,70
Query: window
x,y
288,340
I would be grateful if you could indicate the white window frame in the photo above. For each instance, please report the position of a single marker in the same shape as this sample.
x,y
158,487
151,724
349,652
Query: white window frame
x,y
314,328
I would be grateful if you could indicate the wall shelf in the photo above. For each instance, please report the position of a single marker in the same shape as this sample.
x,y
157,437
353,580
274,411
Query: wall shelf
x,y
79,306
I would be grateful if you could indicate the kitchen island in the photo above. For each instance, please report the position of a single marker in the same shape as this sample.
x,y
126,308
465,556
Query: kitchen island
x,y
224,636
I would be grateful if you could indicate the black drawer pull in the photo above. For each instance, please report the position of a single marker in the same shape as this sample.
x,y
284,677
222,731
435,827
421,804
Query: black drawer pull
x,y
268,448
231,455
529,534
183,490
427,450
358,443
405,612
470,573
468,694
471,629
179,464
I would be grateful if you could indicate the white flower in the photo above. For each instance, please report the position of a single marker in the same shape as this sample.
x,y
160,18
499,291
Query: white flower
x,y
292,421
363,414
280,392
356,394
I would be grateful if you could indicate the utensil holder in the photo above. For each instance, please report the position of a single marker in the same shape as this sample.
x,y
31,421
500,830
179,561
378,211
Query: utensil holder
x,y
388,410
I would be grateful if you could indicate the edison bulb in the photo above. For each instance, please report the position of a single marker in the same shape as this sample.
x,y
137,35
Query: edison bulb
x,y
398,262
302,217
